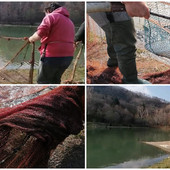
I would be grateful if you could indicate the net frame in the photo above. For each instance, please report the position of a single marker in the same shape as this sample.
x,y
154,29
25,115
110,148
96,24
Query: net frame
x,y
157,29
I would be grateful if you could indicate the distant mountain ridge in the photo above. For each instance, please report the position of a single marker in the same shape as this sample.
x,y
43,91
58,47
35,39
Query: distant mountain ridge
x,y
128,95
118,106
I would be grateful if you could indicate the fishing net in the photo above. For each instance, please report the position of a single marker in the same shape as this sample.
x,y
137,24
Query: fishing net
x,y
157,29
95,37
96,43
17,61
9,95
30,130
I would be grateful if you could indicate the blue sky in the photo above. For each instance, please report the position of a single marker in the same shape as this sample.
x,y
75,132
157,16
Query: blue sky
x,y
162,92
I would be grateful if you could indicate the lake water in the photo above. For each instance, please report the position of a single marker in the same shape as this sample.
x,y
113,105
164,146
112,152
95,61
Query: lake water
x,y
9,48
123,147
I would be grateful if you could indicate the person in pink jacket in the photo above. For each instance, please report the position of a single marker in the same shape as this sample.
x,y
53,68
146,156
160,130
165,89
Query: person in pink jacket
x,y
56,33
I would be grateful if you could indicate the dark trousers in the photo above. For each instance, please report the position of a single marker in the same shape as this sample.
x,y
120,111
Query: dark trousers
x,y
52,68
121,48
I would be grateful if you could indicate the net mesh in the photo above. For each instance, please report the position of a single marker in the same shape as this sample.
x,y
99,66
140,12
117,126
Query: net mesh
x,y
96,43
157,29
16,59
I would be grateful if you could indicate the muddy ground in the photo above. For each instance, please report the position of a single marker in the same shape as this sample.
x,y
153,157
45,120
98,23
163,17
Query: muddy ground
x,y
150,67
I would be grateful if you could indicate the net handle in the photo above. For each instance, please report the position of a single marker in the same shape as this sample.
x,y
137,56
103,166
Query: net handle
x,y
159,15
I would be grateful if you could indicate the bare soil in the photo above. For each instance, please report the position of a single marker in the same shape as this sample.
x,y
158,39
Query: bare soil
x,y
149,68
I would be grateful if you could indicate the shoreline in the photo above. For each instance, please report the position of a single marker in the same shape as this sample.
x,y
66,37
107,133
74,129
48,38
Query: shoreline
x,y
159,162
99,124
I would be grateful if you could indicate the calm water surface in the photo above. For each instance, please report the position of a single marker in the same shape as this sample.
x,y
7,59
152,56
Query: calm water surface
x,y
123,147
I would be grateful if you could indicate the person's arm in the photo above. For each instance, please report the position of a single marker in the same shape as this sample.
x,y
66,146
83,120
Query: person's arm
x,y
34,37
80,34
137,9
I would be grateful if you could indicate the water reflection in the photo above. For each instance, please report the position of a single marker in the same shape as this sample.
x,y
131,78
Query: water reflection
x,y
144,162
110,147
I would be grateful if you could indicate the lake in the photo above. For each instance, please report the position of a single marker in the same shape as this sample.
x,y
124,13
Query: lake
x,y
9,48
123,147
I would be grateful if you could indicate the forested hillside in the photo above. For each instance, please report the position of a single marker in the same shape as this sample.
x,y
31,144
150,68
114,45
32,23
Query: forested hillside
x,y
118,106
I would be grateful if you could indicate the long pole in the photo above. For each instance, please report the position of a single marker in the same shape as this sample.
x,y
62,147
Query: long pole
x,y
32,64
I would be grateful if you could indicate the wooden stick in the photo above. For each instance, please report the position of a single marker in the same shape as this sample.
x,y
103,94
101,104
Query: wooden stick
x,y
32,64
75,64
12,38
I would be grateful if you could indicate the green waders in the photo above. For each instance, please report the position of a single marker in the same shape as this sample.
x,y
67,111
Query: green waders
x,y
122,50
112,61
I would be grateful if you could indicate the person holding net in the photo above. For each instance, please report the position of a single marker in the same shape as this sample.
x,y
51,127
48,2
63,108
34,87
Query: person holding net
x,y
120,37
56,33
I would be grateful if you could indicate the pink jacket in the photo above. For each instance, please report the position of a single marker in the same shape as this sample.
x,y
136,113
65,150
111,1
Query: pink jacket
x,y
57,30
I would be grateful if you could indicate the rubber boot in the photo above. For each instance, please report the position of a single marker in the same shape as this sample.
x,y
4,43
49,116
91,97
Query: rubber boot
x,y
112,61
124,45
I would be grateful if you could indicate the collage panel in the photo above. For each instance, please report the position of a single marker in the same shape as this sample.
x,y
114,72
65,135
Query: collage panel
x,y
42,42
128,126
88,121
42,127
122,50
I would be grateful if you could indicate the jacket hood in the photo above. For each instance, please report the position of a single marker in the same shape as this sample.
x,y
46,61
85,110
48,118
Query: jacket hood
x,y
63,11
